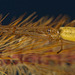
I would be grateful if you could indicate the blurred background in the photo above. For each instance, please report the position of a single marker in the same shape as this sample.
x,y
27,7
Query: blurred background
x,y
42,7
56,63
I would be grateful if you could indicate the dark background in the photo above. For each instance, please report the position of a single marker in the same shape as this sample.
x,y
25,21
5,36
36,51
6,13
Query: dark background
x,y
42,7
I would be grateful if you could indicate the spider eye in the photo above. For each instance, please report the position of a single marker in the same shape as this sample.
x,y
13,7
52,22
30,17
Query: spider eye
x,y
48,31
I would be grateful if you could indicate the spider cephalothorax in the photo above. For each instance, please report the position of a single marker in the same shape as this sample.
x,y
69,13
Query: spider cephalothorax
x,y
54,34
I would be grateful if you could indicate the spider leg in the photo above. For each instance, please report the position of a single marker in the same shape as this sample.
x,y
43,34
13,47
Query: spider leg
x,y
61,47
59,51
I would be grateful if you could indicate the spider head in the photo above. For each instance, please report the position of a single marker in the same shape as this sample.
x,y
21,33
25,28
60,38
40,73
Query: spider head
x,y
54,33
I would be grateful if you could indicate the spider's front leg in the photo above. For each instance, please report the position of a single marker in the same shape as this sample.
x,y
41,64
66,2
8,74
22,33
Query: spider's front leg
x,y
61,46
59,51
